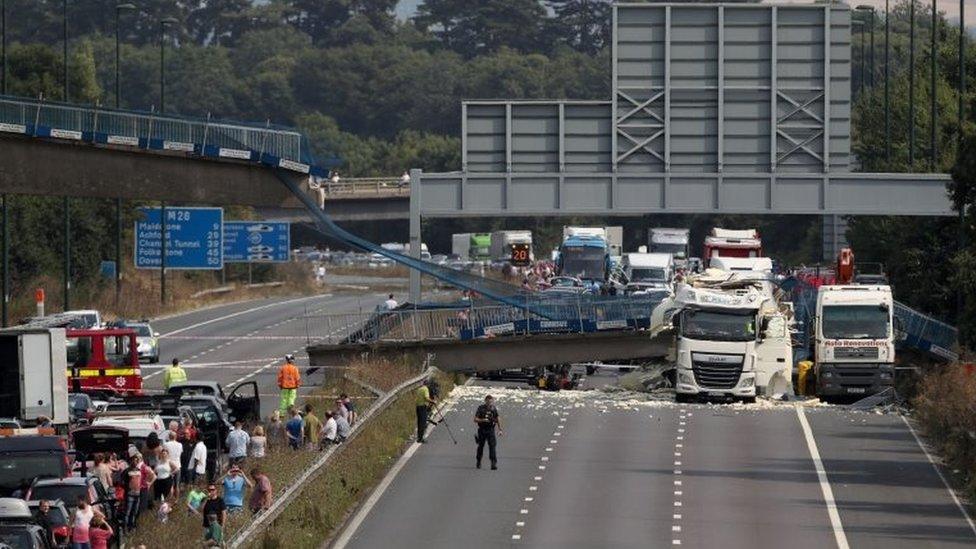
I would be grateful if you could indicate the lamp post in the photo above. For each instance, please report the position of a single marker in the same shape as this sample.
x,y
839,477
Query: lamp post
x,y
3,46
933,108
162,61
64,43
911,85
869,10
887,110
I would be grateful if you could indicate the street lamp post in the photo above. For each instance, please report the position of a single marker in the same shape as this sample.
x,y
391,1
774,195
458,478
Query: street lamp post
x,y
64,41
3,46
911,85
162,61
887,110
869,10
934,115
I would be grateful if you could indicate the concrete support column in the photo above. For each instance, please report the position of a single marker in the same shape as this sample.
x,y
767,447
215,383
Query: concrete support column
x,y
415,236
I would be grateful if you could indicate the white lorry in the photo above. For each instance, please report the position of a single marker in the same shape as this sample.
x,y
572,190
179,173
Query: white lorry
x,y
513,247
34,367
854,353
648,272
732,340
669,241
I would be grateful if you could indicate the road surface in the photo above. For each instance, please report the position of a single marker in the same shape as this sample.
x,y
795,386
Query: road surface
x,y
601,470
247,341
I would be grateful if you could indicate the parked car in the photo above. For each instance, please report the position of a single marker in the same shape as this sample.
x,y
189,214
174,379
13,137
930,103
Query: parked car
x,y
9,423
18,527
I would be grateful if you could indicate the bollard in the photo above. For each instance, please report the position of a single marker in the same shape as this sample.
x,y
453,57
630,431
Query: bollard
x,y
39,301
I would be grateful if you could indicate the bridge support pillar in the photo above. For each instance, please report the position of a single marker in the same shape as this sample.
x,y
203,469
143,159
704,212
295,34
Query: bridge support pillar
x,y
415,236
834,236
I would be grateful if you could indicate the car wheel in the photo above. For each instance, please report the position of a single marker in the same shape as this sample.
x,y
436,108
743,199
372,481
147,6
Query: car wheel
x,y
154,360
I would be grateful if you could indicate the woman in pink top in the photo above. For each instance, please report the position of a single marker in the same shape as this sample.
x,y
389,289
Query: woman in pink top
x,y
100,533
81,524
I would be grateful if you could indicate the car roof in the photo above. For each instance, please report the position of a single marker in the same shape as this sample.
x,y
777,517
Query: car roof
x,y
14,508
31,443
67,481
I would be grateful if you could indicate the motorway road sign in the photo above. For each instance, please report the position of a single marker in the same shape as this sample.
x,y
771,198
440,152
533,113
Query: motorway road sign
x,y
194,238
257,241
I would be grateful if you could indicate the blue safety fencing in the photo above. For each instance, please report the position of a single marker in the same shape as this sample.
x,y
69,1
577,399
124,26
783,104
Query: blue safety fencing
x,y
267,144
917,331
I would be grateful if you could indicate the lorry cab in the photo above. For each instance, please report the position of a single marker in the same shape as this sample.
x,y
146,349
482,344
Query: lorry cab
x,y
855,340
731,344
732,243
585,257
648,271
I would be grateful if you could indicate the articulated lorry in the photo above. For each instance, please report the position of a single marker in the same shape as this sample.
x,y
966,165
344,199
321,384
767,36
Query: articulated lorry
x,y
513,247
732,339
34,369
854,346
732,243
664,240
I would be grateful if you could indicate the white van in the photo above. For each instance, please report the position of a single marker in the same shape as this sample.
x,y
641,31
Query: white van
x,y
654,271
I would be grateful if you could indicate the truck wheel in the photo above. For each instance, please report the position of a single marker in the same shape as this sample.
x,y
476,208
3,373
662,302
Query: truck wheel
x,y
590,370
682,398
154,360
749,400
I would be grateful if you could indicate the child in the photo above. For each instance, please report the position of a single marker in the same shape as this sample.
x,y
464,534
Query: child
x,y
162,513
214,535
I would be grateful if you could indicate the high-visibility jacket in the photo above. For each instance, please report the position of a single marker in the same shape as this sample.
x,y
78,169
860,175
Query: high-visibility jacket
x,y
288,377
173,375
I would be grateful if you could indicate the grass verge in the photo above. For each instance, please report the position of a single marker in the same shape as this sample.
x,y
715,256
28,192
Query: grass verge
x,y
283,465
946,410
329,499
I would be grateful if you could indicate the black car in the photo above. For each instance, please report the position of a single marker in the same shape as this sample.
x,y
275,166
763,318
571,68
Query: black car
x,y
70,489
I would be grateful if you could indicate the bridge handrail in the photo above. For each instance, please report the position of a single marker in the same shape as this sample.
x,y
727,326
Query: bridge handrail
x,y
363,185
267,143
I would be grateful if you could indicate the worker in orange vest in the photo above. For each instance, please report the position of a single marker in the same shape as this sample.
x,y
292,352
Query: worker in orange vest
x,y
289,380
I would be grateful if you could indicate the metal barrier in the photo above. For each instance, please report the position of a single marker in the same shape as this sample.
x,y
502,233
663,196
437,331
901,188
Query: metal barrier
x,y
570,314
364,186
96,124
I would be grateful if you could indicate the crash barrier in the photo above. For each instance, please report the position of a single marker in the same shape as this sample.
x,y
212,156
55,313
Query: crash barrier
x,y
267,144
363,186
918,331
459,321
263,520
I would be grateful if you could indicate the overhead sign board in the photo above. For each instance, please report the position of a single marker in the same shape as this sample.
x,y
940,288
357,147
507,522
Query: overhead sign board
x,y
194,238
257,241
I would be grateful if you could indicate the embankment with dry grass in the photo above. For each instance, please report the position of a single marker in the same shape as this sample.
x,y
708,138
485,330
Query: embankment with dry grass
x,y
946,410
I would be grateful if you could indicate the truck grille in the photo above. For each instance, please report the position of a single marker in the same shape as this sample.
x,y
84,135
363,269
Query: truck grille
x,y
856,352
856,375
718,375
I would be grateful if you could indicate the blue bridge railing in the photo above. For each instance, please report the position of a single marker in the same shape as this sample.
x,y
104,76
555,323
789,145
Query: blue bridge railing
x,y
267,144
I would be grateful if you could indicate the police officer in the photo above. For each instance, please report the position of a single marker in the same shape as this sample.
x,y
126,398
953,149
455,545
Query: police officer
x,y
487,419
173,375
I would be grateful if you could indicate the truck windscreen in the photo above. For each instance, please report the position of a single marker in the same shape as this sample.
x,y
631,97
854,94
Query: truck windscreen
x,y
668,248
718,326
583,262
647,275
855,322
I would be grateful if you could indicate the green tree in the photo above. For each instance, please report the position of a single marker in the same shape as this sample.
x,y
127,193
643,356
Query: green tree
x,y
584,25
474,27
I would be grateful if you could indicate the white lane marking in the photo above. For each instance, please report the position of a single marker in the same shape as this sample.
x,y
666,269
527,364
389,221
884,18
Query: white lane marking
x,y
239,313
678,492
516,537
677,471
523,511
542,467
676,516
952,493
677,504
677,483
839,536
519,524
676,542
537,478
533,488
675,528
528,500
